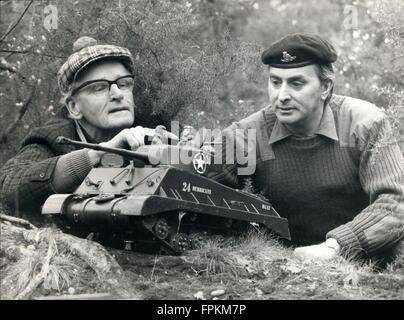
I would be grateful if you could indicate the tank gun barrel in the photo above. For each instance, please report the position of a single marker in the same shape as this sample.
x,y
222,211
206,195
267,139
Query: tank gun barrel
x,y
122,152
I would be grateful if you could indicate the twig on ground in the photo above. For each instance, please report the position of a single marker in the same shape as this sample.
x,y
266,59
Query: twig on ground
x,y
17,220
32,285
154,267
84,296
95,255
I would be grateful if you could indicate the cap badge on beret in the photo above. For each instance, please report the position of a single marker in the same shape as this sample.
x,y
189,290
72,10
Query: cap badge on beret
x,y
299,50
287,57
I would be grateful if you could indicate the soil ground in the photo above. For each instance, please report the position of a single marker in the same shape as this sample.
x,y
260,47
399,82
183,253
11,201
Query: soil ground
x,y
46,264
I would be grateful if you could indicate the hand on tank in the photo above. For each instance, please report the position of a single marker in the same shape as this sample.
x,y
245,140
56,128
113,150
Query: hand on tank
x,y
130,137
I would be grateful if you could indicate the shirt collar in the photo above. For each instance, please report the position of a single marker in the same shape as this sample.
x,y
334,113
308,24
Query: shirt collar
x,y
326,128
80,131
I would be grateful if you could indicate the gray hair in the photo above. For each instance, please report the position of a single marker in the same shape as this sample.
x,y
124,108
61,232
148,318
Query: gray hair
x,y
66,96
326,74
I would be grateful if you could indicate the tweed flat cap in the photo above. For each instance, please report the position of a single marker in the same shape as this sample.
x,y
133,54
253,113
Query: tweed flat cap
x,y
299,50
86,51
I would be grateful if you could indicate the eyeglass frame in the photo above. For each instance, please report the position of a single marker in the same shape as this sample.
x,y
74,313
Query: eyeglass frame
x,y
110,82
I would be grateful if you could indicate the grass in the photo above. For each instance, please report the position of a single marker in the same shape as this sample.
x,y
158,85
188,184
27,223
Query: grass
x,y
258,267
251,266
42,269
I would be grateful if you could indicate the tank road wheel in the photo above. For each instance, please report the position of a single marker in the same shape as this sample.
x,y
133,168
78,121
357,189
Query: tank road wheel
x,y
180,242
196,240
161,229
228,223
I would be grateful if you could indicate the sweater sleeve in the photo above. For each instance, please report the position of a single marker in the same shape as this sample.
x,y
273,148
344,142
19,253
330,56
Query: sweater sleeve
x,y
380,225
71,169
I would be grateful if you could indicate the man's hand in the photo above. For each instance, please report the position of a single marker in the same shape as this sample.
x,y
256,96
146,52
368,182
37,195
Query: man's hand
x,y
320,251
132,137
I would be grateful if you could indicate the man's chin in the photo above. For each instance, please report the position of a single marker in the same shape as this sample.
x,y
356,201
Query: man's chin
x,y
121,121
286,119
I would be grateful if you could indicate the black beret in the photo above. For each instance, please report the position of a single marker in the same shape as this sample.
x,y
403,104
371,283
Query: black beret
x,y
299,50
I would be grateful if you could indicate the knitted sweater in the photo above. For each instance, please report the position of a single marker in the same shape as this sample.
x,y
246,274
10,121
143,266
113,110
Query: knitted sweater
x,y
346,182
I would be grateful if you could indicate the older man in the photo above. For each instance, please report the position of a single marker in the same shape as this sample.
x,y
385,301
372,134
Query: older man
x,y
328,163
96,83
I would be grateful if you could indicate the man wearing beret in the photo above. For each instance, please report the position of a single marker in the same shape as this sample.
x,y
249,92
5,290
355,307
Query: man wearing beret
x,y
96,84
327,163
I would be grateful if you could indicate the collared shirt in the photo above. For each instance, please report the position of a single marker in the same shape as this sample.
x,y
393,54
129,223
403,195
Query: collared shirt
x,y
326,128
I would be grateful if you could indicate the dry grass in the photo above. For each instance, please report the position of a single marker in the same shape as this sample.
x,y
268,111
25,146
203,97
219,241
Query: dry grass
x,y
43,266
252,266
236,257
45,261
259,262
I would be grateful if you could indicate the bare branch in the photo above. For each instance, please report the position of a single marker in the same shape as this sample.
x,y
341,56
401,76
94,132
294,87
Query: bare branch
x,y
18,117
18,21
30,52
4,65
14,51
155,57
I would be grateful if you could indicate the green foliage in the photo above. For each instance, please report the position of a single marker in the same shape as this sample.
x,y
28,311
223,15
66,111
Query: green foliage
x,y
197,61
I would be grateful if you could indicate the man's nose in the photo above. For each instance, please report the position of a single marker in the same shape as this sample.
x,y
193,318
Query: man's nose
x,y
284,94
115,92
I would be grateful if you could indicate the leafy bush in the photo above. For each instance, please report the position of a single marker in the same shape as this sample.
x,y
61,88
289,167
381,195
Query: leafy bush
x,y
197,61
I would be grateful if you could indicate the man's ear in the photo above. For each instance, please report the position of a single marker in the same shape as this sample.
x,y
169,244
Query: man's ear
x,y
73,109
326,89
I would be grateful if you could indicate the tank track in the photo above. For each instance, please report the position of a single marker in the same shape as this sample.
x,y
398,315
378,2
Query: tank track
x,y
187,233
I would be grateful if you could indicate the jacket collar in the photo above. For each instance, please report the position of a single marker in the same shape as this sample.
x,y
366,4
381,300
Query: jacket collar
x,y
326,128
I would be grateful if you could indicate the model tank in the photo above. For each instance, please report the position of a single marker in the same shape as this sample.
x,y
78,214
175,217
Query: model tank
x,y
158,197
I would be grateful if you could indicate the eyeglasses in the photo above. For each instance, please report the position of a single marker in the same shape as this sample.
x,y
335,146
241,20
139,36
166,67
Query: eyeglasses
x,y
103,86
